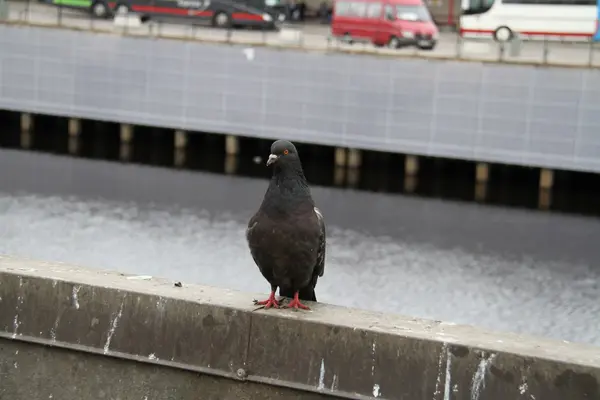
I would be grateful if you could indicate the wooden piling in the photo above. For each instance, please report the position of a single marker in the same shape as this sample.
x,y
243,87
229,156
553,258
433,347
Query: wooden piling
x,y
26,122
180,139
231,164
340,157
354,158
482,173
126,134
411,165
232,145
353,177
339,176
546,179
74,127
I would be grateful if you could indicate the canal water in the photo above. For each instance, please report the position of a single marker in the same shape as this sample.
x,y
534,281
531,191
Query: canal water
x,y
501,268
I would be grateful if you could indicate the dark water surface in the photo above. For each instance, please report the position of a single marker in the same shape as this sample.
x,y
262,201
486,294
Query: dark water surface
x,y
505,269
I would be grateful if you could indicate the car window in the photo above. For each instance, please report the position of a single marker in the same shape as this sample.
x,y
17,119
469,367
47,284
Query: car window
x,y
374,10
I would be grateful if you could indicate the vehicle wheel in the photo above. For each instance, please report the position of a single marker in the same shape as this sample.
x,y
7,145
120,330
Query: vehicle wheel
x,y
394,42
121,9
347,38
503,34
221,20
99,9
428,47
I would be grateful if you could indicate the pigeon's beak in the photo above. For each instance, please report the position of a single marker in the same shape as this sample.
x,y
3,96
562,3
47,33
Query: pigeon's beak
x,y
272,159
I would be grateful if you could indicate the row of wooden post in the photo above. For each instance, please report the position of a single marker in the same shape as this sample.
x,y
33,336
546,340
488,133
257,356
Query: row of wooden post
x,y
347,161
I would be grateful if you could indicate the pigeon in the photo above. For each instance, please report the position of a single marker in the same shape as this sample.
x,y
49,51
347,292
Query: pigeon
x,y
286,236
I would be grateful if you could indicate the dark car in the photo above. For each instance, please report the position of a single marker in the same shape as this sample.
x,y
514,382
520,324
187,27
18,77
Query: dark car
x,y
219,13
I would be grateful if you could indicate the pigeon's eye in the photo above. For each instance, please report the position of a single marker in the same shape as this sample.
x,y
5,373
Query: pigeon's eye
x,y
285,151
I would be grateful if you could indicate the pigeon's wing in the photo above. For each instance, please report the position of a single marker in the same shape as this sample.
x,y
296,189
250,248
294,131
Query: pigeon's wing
x,y
250,230
320,267
251,225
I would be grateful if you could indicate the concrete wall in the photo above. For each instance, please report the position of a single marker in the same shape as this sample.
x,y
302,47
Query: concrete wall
x,y
33,371
547,117
67,332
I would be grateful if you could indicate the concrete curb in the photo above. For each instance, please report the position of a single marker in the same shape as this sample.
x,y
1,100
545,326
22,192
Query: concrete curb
x,y
346,353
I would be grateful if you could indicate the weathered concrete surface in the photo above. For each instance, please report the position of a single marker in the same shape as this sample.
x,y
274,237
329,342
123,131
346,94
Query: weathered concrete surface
x,y
77,375
158,337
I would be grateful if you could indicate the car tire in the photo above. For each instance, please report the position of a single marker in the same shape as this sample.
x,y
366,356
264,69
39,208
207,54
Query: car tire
x,y
121,8
394,42
100,9
221,20
429,47
503,34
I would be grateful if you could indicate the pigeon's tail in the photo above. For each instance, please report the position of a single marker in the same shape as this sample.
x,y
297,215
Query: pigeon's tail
x,y
305,294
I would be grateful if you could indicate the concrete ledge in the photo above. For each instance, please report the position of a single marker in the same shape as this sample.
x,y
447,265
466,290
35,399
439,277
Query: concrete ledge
x,y
334,351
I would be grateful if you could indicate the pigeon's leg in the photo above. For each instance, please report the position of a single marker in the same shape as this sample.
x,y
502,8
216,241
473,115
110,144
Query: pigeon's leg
x,y
296,303
271,301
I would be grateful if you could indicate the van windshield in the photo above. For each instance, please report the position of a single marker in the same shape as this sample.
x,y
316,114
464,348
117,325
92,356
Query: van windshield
x,y
413,13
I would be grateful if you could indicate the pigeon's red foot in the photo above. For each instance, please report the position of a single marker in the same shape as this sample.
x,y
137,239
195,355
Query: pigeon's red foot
x,y
268,303
295,303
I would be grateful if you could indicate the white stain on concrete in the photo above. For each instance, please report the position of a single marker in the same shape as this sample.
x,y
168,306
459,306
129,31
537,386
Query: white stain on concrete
x,y
322,375
373,351
479,378
524,388
113,327
54,328
455,388
75,297
438,381
160,304
140,277
334,382
376,392
16,324
152,356
16,365
448,380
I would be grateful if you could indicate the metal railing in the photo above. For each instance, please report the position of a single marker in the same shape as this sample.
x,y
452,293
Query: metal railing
x,y
310,36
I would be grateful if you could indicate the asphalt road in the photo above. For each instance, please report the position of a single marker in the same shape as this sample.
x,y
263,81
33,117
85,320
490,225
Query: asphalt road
x,y
315,37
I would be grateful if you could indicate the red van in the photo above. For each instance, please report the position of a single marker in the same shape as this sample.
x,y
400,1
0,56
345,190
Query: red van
x,y
384,22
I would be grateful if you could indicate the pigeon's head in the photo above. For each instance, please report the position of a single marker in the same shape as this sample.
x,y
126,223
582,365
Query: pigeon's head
x,y
282,152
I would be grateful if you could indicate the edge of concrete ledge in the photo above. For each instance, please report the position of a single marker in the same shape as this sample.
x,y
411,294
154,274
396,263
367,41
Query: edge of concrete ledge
x,y
150,320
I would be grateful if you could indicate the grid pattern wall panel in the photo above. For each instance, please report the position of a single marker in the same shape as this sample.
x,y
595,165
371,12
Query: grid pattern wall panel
x,y
547,117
